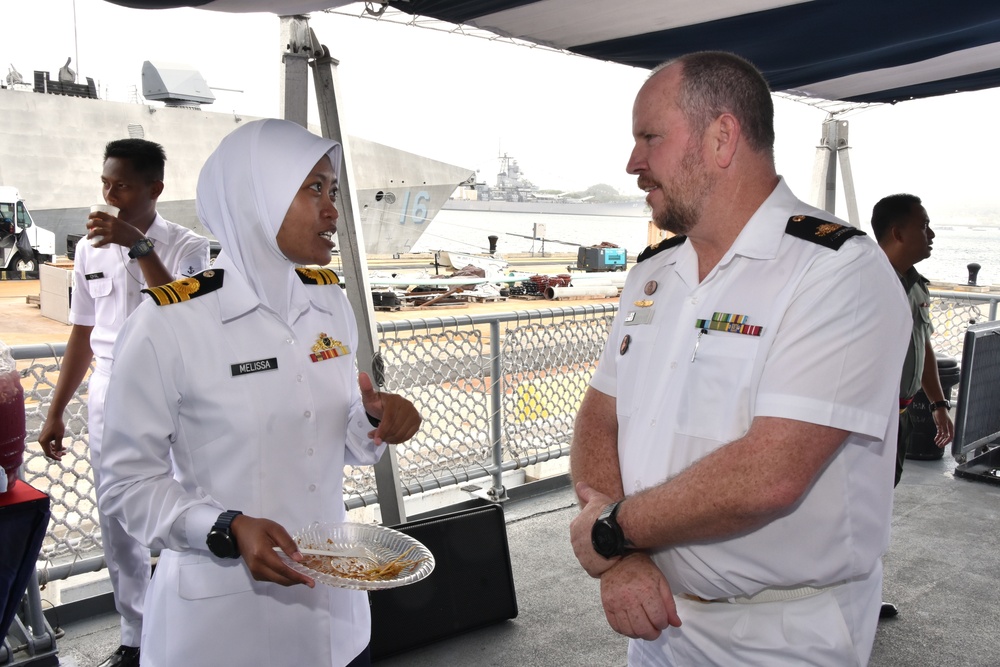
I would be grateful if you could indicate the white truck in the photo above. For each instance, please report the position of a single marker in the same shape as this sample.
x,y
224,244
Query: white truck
x,y
15,221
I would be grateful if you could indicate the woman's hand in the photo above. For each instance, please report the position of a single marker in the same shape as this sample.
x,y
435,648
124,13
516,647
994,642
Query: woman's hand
x,y
256,540
399,419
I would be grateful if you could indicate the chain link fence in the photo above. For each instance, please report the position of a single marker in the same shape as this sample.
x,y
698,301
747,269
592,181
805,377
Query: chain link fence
x,y
446,366
497,392
546,369
73,534
952,313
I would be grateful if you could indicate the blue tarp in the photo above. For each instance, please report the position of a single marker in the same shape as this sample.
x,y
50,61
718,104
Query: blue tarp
x,y
850,50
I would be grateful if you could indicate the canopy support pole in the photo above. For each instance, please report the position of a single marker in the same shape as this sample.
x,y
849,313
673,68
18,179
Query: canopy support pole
x,y
298,43
833,145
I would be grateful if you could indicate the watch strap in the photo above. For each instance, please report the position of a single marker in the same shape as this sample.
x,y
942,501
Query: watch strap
x,y
614,518
225,520
940,404
608,520
221,541
610,511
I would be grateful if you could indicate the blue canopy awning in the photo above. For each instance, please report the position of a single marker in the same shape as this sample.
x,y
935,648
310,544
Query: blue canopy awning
x,y
848,50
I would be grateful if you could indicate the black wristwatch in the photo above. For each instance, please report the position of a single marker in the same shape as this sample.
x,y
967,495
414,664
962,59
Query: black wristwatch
x,y
607,535
141,248
940,404
221,540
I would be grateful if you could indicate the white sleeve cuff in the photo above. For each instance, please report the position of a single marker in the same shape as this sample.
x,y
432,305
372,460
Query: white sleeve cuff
x,y
197,522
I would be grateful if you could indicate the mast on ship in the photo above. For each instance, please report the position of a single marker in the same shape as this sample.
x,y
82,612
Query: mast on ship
x,y
511,185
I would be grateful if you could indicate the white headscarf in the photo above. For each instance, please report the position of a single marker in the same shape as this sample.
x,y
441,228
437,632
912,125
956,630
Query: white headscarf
x,y
244,191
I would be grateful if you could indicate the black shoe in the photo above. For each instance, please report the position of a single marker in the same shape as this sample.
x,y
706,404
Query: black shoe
x,y
888,610
125,656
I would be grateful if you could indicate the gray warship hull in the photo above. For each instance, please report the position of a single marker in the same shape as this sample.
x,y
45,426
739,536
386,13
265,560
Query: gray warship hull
x,y
636,209
51,148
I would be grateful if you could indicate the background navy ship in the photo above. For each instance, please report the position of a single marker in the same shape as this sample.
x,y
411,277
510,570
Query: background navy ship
x,y
514,193
53,133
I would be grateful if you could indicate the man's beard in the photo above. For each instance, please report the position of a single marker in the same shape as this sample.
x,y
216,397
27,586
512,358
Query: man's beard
x,y
679,219
684,205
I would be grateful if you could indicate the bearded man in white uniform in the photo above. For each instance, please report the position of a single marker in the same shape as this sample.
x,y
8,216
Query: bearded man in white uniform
x,y
136,249
241,407
734,453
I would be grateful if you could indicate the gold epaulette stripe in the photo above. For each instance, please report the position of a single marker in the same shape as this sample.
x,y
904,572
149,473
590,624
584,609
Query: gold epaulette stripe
x,y
317,276
165,294
186,289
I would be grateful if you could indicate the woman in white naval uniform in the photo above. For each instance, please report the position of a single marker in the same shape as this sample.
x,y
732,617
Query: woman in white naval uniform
x,y
242,394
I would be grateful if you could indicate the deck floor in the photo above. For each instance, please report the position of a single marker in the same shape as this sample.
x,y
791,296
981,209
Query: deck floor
x,y
941,571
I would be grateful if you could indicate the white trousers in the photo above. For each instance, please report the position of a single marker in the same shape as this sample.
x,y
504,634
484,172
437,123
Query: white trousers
x,y
834,628
128,561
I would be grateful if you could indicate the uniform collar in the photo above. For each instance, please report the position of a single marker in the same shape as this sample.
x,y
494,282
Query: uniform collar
x,y
910,277
158,230
240,299
761,236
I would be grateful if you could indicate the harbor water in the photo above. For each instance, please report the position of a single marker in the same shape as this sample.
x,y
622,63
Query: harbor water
x,y
956,247
467,231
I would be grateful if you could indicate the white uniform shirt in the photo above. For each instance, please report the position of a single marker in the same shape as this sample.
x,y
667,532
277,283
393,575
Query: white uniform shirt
x,y
108,284
231,394
834,330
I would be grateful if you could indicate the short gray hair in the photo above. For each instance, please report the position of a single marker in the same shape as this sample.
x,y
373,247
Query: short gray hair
x,y
717,82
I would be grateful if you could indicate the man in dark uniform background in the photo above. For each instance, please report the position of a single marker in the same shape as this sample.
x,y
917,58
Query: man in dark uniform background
x,y
902,229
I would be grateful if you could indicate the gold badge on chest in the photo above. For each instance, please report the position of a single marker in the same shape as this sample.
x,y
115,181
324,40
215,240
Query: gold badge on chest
x,y
328,348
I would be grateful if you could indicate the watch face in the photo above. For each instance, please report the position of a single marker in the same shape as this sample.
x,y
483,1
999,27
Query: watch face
x,y
605,540
141,248
222,544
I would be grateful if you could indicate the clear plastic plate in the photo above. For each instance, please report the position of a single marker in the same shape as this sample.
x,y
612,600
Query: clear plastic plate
x,y
378,544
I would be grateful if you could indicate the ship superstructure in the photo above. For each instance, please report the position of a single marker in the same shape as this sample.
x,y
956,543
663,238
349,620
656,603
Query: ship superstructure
x,y
52,137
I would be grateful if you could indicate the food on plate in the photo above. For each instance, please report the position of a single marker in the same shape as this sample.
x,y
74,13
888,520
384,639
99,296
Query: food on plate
x,y
362,569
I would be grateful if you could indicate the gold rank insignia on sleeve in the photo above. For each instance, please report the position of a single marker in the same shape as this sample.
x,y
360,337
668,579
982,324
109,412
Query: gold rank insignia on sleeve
x,y
186,289
823,232
660,246
311,276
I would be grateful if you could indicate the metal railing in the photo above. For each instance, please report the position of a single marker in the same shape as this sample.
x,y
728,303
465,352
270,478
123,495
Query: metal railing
x,y
497,393
951,314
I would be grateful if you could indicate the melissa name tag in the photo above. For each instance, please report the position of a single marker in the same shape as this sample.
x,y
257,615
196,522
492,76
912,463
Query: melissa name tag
x,y
248,367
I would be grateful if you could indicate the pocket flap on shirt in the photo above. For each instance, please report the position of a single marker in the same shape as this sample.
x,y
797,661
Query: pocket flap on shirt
x,y
99,287
209,579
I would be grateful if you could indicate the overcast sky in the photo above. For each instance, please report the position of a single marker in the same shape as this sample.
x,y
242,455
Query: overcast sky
x,y
464,100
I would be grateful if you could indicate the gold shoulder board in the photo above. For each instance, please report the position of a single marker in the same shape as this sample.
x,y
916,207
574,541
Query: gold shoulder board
x,y
317,276
186,289
825,233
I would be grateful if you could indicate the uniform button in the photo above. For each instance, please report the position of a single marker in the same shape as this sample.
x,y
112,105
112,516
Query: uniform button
x,y
299,378
312,487
673,365
652,423
310,451
307,414
288,340
694,300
